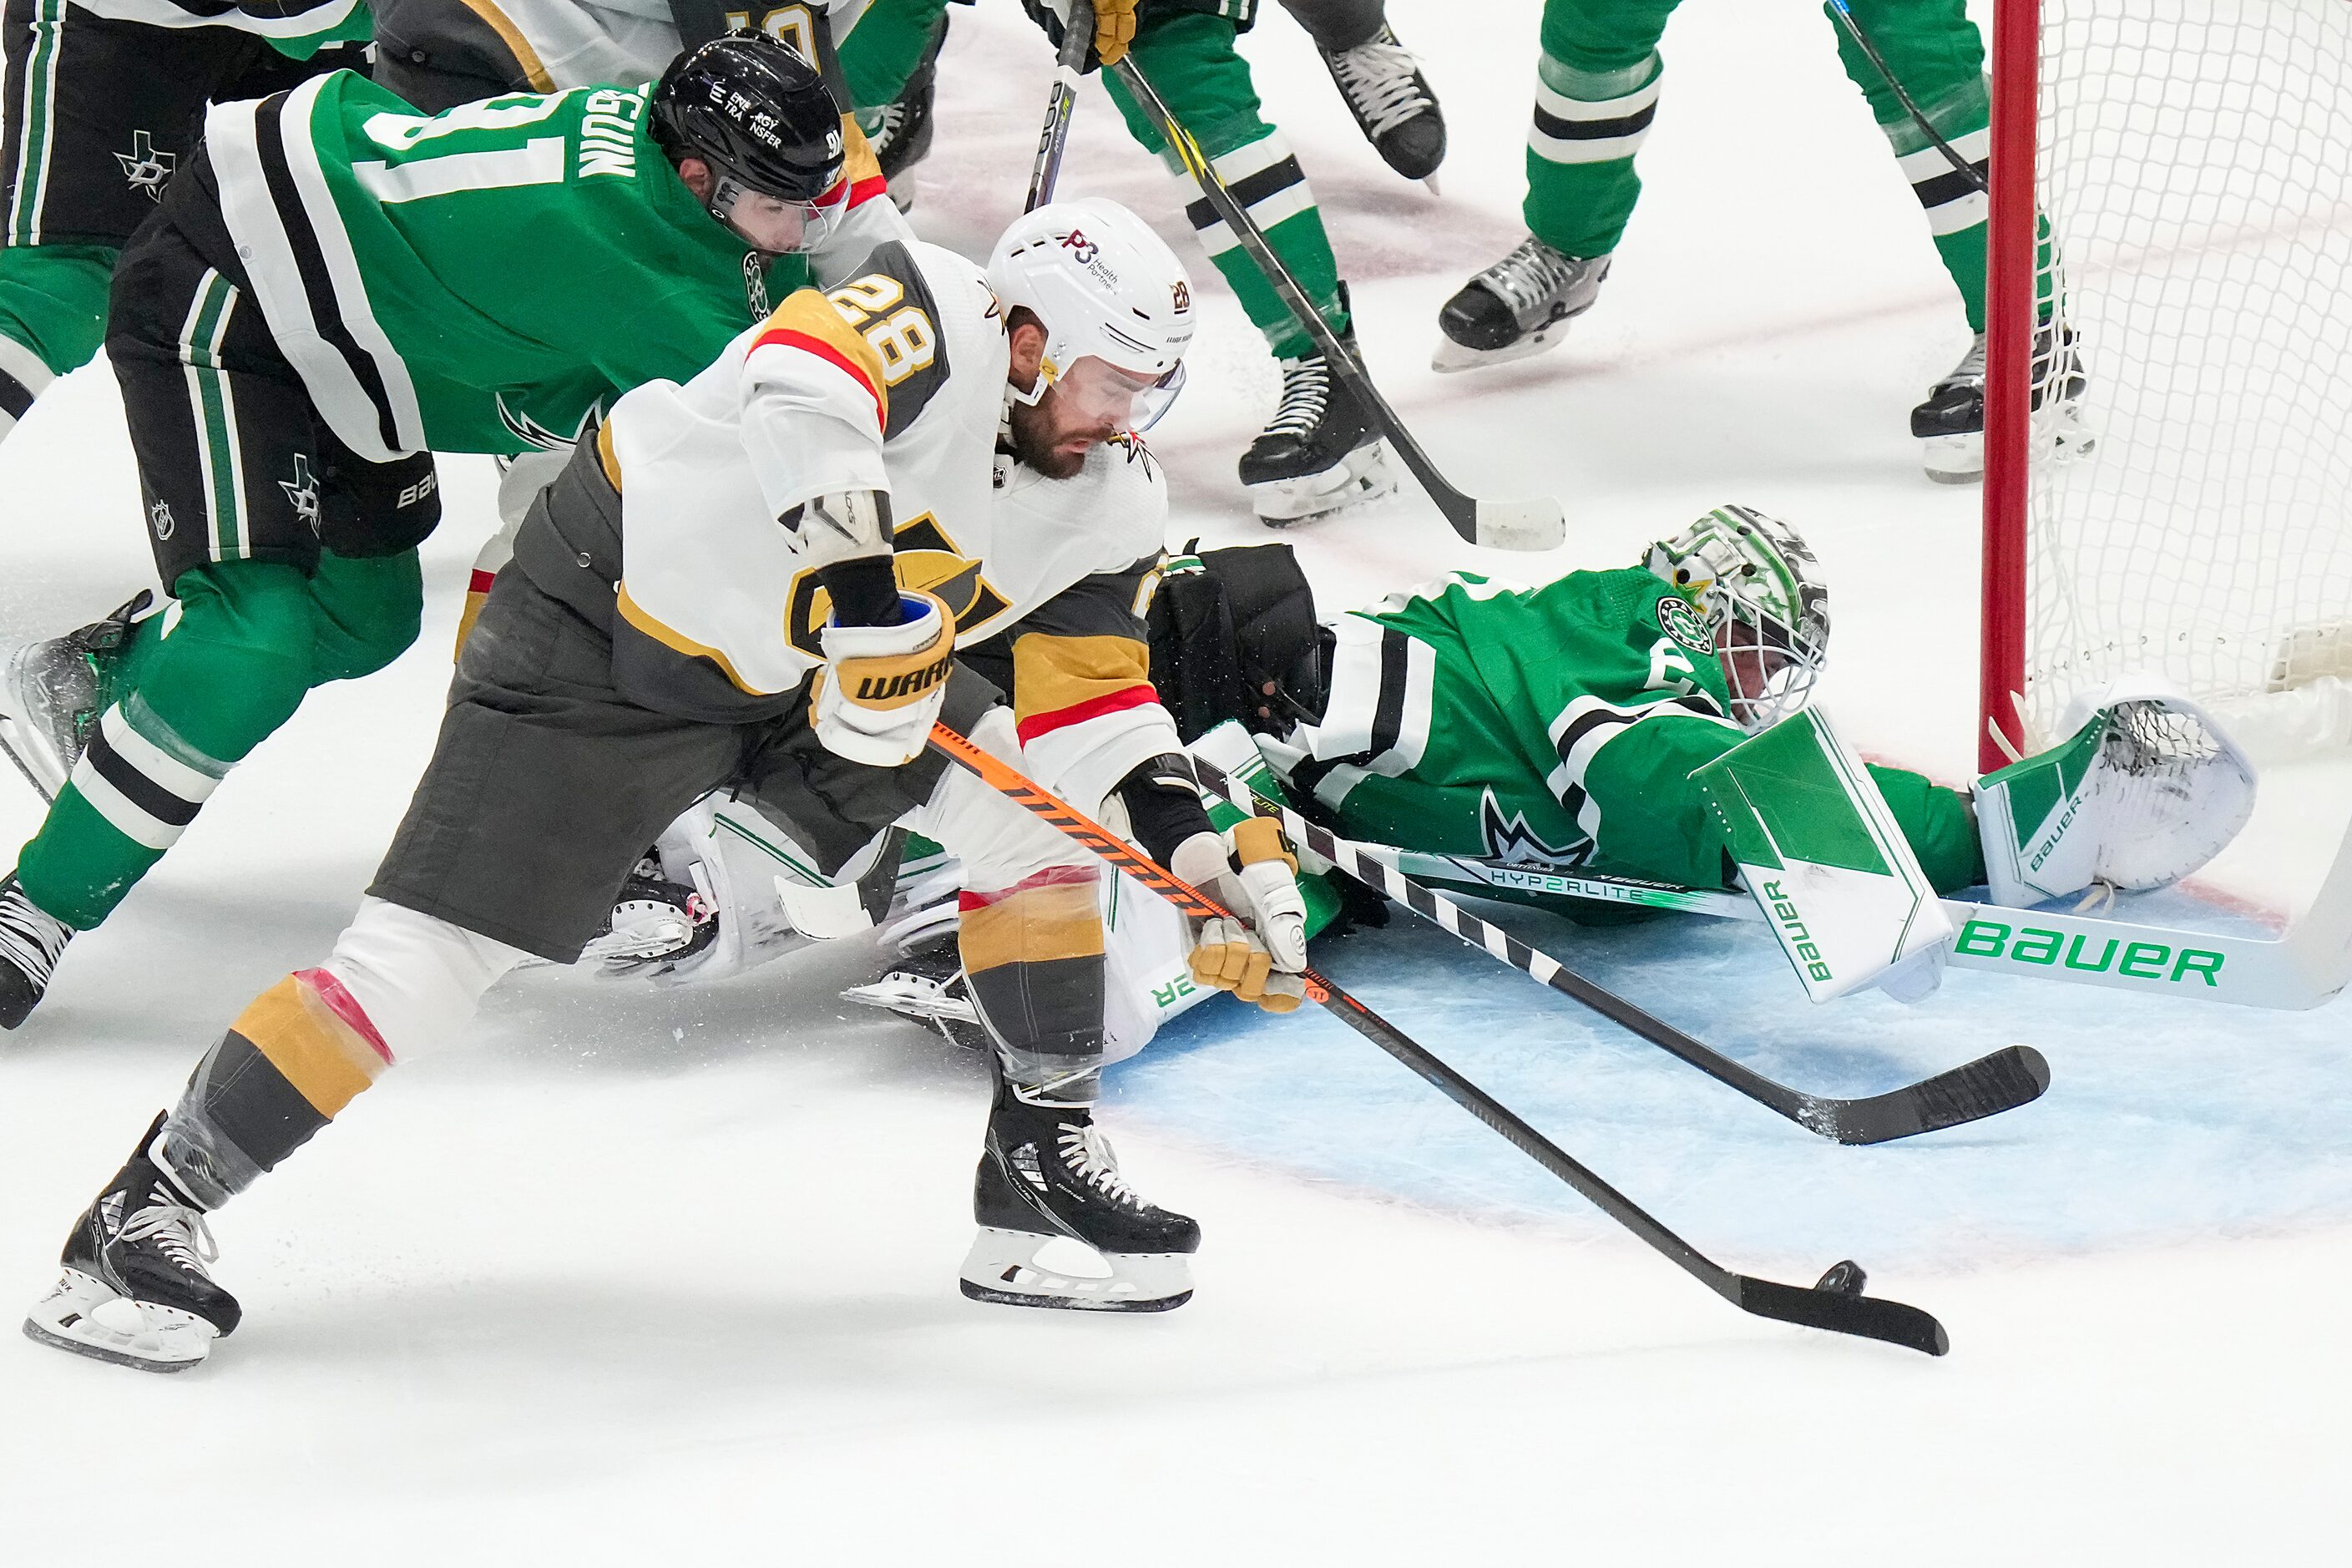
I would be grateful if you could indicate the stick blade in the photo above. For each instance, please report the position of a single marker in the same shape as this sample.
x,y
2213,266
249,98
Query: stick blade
x,y
1524,525
2009,1077
1864,1317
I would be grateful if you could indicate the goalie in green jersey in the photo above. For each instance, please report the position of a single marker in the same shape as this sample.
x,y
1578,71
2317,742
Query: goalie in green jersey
x,y
334,288
1651,721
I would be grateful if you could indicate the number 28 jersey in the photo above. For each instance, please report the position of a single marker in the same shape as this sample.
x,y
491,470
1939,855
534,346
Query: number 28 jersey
x,y
893,381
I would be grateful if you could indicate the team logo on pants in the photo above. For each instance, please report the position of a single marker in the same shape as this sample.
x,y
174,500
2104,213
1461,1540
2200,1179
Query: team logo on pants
x,y
144,167
302,492
159,518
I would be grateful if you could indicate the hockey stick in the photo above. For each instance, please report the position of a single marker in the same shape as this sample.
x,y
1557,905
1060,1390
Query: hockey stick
x,y
1961,165
2009,1077
2303,967
1078,37
1537,524
1835,1304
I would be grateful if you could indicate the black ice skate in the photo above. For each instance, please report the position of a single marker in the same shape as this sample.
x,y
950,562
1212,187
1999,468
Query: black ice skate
x,y
655,923
52,693
900,131
1950,423
134,1290
1518,307
1046,1176
1319,453
30,944
1393,104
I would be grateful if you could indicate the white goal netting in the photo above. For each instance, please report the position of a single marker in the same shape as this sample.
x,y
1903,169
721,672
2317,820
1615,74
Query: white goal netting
x,y
2195,168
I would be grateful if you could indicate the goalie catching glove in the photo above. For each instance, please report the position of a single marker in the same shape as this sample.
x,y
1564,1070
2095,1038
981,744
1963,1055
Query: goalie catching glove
x,y
881,688
1252,872
2146,788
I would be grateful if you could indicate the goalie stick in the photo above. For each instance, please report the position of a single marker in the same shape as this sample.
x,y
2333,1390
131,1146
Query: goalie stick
x,y
2303,966
1835,1304
1537,524
1077,36
2009,1077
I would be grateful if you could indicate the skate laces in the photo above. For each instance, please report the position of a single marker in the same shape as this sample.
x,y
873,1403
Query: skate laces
x,y
1970,371
1305,394
1379,77
29,938
179,1229
1528,278
1089,1156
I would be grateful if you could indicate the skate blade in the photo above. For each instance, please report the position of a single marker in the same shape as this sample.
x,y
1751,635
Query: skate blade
x,y
1953,459
1003,1268
913,997
22,738
88,1318
9,743
1363,476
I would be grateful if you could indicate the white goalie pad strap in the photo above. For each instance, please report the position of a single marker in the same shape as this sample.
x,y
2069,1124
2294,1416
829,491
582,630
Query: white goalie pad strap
x,y
2147,787
1826,861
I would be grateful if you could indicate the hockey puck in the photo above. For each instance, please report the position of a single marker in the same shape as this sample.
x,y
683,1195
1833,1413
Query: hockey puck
x,y
1844,1279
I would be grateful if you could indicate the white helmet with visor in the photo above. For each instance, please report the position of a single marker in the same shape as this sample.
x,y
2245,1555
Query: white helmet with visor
x,y
1116,305
1756,585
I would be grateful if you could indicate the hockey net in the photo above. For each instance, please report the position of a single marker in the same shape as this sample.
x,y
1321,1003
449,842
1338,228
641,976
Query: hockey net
x,y
2189,514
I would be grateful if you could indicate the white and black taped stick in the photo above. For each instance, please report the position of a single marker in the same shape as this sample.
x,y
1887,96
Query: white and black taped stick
x,y
1537,524
2009,1077
1835,1304
1078,37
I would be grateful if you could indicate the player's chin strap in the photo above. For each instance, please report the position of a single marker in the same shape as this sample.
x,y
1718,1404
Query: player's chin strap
x,y
1833,1304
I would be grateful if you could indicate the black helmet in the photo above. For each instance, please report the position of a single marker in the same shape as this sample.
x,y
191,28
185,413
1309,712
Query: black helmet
x,y
754,111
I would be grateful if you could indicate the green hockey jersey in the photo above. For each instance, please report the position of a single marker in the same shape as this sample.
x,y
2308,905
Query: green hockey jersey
x,y
1558,724
478,280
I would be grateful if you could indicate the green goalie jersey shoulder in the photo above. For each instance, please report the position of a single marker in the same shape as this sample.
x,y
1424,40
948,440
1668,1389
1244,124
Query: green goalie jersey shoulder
x,y
524,257
1544,723
1621,636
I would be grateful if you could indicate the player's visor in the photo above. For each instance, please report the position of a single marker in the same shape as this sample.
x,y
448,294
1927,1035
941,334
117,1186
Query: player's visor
x,y
1093,392
771,224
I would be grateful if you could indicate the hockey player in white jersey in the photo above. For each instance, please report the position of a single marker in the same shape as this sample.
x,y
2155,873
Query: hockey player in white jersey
x,y
756,581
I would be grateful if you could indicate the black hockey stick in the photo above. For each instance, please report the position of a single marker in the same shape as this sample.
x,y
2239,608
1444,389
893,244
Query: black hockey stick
x,y
1853,26
2009,1077
1537,524
1835,1304
1078,37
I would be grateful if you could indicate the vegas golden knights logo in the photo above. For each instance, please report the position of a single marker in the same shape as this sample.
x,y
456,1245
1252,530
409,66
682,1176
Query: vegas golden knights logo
x,y
928,561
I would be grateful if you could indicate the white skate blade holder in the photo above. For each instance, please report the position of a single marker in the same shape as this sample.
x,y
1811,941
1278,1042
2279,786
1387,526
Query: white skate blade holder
x,y
87,1317
1026,1269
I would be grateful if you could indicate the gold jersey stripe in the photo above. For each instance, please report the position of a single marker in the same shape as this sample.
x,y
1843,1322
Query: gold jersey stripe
x,y
669,637
1050,673
519,46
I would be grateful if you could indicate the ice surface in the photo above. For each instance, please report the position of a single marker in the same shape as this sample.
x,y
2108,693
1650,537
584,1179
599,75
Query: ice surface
x,y
650,1277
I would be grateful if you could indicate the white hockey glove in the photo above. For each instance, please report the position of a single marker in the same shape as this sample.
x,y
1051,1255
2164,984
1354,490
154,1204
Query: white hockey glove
x,y
882,686
1252,872
2146,788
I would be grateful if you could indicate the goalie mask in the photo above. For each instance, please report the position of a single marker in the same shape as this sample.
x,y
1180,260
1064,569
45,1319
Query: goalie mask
x,y
1754,584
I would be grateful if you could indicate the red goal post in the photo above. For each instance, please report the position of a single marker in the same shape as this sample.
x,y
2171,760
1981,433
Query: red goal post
x,y
2171,198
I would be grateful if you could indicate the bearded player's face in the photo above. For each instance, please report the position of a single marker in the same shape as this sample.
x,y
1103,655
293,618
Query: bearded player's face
x,y
1088,406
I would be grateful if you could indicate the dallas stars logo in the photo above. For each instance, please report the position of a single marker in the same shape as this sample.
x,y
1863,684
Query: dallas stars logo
x,y
1510,840
144,167
302,492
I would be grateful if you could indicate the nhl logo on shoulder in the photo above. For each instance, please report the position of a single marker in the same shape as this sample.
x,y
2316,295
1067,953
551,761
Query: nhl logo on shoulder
x,y
1679,621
